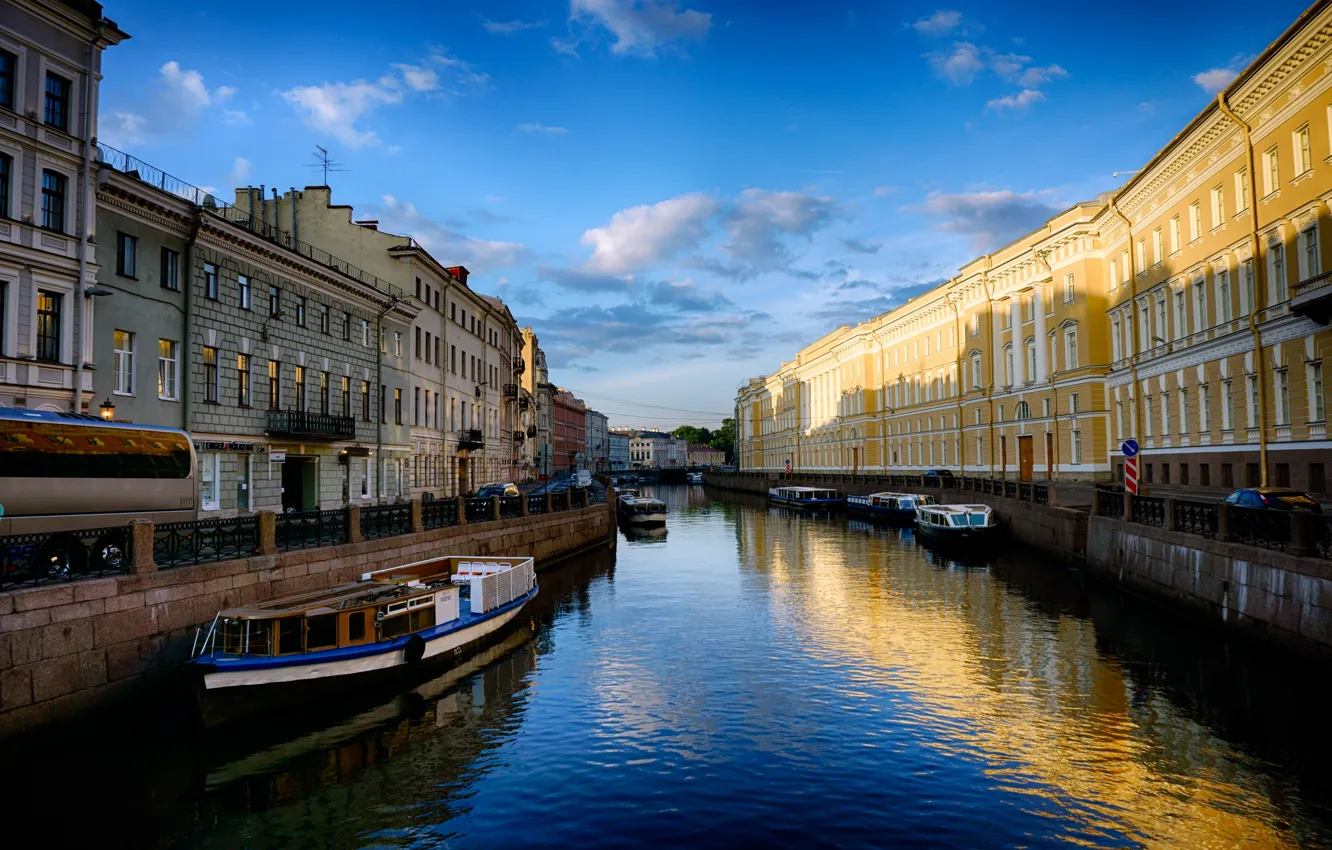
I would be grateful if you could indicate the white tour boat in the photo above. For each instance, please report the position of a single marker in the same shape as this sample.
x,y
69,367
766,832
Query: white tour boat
x,y
961,526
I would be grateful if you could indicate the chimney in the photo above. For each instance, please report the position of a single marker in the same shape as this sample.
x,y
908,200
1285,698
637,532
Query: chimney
x,y
459,272
371,223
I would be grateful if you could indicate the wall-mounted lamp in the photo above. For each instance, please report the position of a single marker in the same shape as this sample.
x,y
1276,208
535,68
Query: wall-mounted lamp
x,y
97,290
108,409
263,334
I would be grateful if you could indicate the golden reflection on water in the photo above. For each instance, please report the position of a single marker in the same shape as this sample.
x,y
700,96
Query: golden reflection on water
x,y
994,680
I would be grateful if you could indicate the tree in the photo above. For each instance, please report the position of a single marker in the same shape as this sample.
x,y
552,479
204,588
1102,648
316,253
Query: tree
x,y
693,435
724,438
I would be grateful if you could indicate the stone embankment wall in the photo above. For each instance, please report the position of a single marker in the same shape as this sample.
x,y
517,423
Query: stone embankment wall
x,y
65,648
1279,595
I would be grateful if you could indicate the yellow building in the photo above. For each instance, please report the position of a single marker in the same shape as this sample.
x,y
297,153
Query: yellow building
x,y
1139,314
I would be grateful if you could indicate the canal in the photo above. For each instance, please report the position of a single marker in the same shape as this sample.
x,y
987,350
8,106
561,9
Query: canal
x,y
751,677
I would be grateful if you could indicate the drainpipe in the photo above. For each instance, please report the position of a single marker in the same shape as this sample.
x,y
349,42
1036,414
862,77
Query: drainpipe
x,y
1259,285
383,393
85,212
1135,403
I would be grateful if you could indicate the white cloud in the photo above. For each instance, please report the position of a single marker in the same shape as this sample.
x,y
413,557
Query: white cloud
x,y
335,108
990,218
1016,102
446,245
235,116
641,27
1035,76
760,218
564,46
959,66
510,27
637,237
543,129
880,191
940,23
240,172
1214,80
418,78
171,105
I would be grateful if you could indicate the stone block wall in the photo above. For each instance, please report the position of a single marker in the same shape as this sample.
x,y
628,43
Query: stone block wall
x,y
66,648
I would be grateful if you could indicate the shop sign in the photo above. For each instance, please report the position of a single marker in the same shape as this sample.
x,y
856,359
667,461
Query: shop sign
x,y
277,457
222,446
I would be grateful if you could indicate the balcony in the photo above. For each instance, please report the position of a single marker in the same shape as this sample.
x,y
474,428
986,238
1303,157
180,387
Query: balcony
x,y
531,430
518,436
510,390
1313,298
471,438
317,426
518,366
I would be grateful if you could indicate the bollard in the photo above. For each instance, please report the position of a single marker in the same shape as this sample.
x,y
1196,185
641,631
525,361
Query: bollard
x,y
267,532
1223,517
495,508
418,523
550,502
1301,532
1168,521
142,533
1128,507
522,506
1096,501
354,524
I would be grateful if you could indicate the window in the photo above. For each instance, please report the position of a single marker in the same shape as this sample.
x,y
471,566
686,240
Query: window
x,y
1181,314
323,394
1251,387
1282,398
1031,362
1316,403
1242,190
1303,159
210,281
274,301
53,200
1223,313
416,405
1276,286
397,343
1165,473
243,380
1317,478
1069,291
1271,172
1144,327
210,374
1156,246
1251,473
1147,467
1045,407
1008,367
1174,234
1183,410
208,482
1218,207
1119,420
243,288
48,326
1142,256
1248,294
300,388
1227,408
127,255
1073,404
1227,475
1147,411
243,482
365,401
397,406
1162,329
324,319
8,64
346,326
1195,221
1071,348
437,362
975,372
1199,307
1309,261
1076,436
168,369
124,362
1204,408
274,385
170,269
418,343
1204,475
57,101
300,310
418,289
365,333
346,396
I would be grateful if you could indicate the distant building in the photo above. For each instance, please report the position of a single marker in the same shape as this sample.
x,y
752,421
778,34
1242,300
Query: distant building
x,y
619,451
537,385
570,429
652,449
706,456
597,443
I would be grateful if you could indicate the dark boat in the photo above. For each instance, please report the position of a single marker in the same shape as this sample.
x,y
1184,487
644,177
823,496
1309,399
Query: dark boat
x,y
956,527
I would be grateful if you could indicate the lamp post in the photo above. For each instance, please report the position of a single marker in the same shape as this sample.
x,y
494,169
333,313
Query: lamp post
x,y
108,409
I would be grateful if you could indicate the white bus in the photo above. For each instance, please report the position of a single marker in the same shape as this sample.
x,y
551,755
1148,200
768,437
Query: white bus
x,y
66,472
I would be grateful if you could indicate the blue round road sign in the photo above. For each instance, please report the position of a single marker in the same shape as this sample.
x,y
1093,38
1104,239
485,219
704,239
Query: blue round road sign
x,y
1129,448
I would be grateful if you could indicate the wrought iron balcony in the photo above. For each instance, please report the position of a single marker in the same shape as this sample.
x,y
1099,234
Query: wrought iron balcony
x,y
518,436
510,390
518,366
1313,298
531,430
524,402
319,426
471,438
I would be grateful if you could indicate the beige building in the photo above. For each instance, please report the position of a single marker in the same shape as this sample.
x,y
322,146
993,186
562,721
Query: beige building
x,y
1141,314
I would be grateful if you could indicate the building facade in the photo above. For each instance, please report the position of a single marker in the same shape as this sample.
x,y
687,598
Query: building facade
x,y
50,70
619,450
536,383
706,456
597,450
652,449
569,429
1182,310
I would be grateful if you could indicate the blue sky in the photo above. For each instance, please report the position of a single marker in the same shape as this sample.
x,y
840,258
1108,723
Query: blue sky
x,y
676,195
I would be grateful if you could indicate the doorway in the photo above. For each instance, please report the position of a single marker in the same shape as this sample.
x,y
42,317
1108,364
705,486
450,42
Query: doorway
x,y
299,484
1025,455
1049,455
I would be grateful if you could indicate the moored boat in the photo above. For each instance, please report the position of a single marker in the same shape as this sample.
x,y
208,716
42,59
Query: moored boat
x,y
898,508
391,622
636,510
695,478
806,497
955,526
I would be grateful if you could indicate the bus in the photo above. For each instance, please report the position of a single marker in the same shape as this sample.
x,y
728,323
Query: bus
x,y
67,472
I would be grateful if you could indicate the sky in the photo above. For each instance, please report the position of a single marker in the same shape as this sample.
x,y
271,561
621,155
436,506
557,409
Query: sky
x,y
677,196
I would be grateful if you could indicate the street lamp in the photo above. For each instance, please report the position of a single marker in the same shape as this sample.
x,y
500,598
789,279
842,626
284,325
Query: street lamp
x,y
108,409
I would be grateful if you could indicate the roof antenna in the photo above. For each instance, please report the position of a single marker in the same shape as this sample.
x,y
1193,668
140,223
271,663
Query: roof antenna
x,y
323,162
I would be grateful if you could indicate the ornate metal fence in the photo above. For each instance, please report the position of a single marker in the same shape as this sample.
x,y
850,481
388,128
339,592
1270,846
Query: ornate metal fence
x,y
536,504
1010,489
1149,510
1040,494
1024,491
385,521
1110,502
440,513
28,559
1197,517
1321,532
511,507
578,498
1260,527
202,540
308,529
480,510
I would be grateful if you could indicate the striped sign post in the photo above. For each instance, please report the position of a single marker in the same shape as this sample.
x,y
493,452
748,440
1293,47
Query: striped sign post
x,y
1130,450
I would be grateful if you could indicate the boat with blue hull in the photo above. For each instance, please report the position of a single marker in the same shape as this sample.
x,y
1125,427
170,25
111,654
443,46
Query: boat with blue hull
x,y
896,508
967,528
391,624
808,498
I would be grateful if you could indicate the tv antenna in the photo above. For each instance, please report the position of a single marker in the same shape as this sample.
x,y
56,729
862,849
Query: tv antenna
x,y
323,162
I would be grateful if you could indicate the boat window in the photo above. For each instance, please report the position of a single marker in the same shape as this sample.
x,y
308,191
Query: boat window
x,y
394,626
905,503
355,626
929,500
289,635
978,519
423,618
321,632
259,642
233,636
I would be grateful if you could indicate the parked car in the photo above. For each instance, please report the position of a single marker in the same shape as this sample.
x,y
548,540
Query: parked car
x,y
555,486
939,473
501,490
1274,499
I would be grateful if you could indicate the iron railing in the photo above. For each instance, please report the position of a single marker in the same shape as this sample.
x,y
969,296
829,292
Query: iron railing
x,y
310,529
1198,517
511,507
536,504
1040,494
578,498
1010,489
1260,527
1110,502
300,423
31,559
1148,510
385,521
202,540
1320,531
471,438
1024,491
480,510
440,513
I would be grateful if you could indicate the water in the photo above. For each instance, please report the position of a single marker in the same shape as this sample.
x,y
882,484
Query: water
x,y
755,677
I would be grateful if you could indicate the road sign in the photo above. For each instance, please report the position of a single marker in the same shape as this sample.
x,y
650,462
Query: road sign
x,y
788,466
1129,448
1131,475
277,457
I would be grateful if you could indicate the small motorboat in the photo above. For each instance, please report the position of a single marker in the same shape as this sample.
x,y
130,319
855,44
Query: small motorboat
x,y
897,508
970,527
695,478
806,497
640,511
392,621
